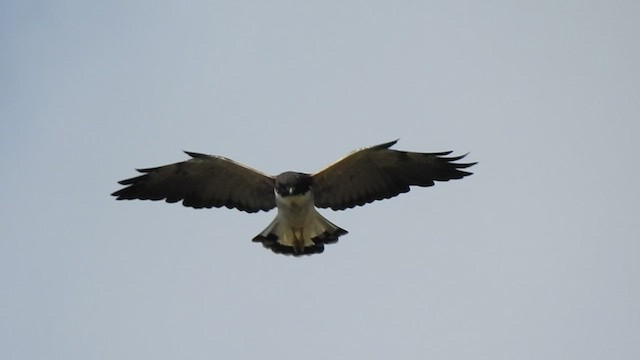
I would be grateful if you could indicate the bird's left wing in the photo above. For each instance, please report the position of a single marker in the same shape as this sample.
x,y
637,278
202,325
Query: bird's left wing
x,y
204,181
378,172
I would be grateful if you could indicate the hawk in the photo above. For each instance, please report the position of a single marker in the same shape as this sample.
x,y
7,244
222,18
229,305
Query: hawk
x,y
362,176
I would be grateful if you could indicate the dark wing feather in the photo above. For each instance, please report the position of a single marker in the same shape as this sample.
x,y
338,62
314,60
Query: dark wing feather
x,y
377,173
203,182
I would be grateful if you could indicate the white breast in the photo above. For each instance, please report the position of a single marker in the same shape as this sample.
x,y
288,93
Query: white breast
x,y
295,209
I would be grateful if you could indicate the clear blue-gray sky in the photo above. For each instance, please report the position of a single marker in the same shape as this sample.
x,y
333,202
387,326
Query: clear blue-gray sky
x,y
535,256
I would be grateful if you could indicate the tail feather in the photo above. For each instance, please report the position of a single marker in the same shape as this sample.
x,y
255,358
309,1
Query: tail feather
x,y
282,238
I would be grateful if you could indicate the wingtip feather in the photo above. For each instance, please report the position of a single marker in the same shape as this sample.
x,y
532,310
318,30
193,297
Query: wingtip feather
x,y
386,145
195,155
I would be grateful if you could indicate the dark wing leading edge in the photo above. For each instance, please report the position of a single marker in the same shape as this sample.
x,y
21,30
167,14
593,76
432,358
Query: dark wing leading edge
x,y
203,182
377,173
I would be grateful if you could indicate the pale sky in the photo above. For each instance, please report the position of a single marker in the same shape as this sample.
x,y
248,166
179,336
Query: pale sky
x,y
535,256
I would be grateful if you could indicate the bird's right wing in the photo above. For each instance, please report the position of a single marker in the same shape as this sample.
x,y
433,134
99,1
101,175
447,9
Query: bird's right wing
x,y
204,181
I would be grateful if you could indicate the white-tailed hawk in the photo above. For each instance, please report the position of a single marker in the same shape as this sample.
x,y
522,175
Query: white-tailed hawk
x,y
360,177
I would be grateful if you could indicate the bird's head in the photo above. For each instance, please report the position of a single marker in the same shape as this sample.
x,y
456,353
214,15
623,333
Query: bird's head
x,y
292,183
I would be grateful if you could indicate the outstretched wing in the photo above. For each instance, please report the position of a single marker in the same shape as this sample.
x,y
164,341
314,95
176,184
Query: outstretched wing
x,y
203,182
377,173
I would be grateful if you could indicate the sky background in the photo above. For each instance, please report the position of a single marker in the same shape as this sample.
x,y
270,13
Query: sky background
x,y
535,256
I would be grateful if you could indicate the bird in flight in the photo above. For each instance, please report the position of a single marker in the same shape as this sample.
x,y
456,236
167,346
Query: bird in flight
x,y
362,176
